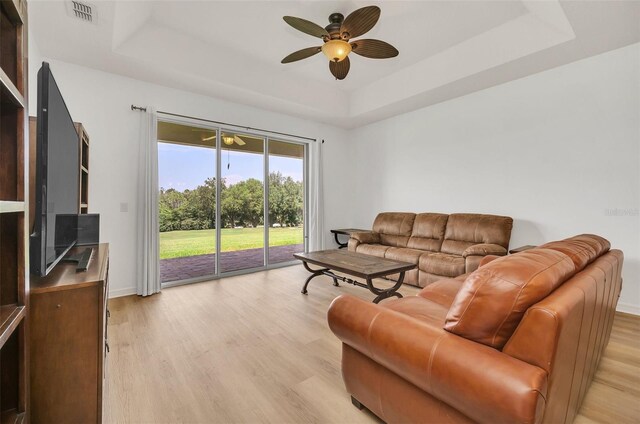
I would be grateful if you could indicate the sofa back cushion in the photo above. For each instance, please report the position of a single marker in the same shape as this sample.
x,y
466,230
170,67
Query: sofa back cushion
x,y
466,229
493,299
394,227
582,249
428,231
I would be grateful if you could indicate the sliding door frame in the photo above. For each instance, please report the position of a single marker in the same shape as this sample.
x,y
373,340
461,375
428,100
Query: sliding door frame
x,y
218,229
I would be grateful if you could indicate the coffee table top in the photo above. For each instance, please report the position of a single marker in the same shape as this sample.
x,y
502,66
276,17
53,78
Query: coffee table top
x,y
353,263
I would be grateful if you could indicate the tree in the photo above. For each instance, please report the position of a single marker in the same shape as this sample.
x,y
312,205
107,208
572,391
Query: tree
x,y
242,204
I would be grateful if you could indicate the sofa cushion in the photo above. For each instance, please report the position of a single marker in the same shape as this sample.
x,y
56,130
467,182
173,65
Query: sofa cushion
x,y
372,249
582,249
420,308
493,299
428,231
442,264
580,253
410,277
600,244
464,230
403,254
442,291
394,227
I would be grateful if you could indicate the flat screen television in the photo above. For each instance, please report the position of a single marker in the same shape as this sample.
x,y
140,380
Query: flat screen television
x,y
55,228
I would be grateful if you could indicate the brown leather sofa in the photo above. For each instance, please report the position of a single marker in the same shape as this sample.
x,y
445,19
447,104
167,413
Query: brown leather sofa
x,y
517,341
441,245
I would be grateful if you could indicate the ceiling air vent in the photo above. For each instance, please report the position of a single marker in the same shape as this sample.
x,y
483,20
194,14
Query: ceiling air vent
x,y
84,11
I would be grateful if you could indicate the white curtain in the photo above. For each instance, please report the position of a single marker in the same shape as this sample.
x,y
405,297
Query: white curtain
x,y
148,235
316,197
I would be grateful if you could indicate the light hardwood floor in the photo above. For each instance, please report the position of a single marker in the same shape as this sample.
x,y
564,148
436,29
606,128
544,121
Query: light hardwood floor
x,y
252,348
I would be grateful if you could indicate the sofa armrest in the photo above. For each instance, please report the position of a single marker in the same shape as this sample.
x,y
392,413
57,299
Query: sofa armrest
x,y
486,259
484,250
483,383
367,237
352,245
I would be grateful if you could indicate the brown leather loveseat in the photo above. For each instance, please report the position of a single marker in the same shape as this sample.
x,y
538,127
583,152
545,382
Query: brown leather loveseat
x,y
516,341
441,245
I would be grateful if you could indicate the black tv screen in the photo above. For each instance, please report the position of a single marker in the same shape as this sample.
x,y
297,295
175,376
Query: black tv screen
x,y
57,172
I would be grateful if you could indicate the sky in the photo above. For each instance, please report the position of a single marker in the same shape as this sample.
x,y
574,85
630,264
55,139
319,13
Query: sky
x,y
186,167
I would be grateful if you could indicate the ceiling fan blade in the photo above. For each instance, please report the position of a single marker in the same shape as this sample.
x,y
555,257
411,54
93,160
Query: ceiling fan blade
x,y
359,22
301,54
374,49
305,26
209,138
340,69
239,141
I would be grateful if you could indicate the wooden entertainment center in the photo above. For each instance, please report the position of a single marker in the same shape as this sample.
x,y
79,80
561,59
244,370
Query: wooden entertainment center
x,y
68,318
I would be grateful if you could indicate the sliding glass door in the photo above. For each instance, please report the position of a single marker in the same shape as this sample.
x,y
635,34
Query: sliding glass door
x,y
187,201
242,202
286,200
229,201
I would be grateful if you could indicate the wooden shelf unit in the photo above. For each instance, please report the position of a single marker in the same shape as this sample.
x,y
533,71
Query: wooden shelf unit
x,y
83,140
14,281
83,170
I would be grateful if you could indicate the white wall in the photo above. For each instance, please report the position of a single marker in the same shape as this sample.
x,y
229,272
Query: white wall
x,y
101,101
557,151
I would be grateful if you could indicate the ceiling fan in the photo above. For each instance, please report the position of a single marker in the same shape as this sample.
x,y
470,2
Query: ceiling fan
x,y
337,37
226,139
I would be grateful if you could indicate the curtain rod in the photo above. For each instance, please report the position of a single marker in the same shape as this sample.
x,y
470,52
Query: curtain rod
x,y
144,109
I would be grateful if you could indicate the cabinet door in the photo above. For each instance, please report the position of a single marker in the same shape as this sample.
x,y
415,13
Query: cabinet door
x,y
66,342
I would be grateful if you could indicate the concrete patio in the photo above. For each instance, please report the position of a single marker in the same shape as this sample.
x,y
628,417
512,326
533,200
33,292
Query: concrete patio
x,y
176,269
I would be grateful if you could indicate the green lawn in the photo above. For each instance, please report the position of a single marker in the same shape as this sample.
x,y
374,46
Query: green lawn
x,y
176,244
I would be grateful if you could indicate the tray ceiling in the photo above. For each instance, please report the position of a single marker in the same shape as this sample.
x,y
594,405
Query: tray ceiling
x,y
232,49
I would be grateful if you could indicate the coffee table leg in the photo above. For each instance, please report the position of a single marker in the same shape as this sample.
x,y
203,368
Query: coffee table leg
x,y
386,293
314,274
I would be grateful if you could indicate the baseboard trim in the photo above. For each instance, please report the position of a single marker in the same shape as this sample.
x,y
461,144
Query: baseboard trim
x,y
628,308
122,292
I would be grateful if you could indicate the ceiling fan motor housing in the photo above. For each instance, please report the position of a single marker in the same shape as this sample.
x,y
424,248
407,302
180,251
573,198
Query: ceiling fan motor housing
x,y
335,22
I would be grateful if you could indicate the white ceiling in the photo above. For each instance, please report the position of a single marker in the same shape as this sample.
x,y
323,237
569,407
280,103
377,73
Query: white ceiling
x,y
232,49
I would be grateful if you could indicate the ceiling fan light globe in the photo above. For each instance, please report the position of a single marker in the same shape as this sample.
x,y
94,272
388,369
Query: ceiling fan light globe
x,y
227,140
336,50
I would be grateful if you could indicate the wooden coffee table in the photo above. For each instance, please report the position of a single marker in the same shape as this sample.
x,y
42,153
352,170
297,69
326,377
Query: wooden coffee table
x,y
356,264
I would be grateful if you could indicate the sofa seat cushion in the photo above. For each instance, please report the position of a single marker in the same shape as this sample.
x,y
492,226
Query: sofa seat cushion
x,y
404,254
372,249
494,298
420,308
442,264
443,291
